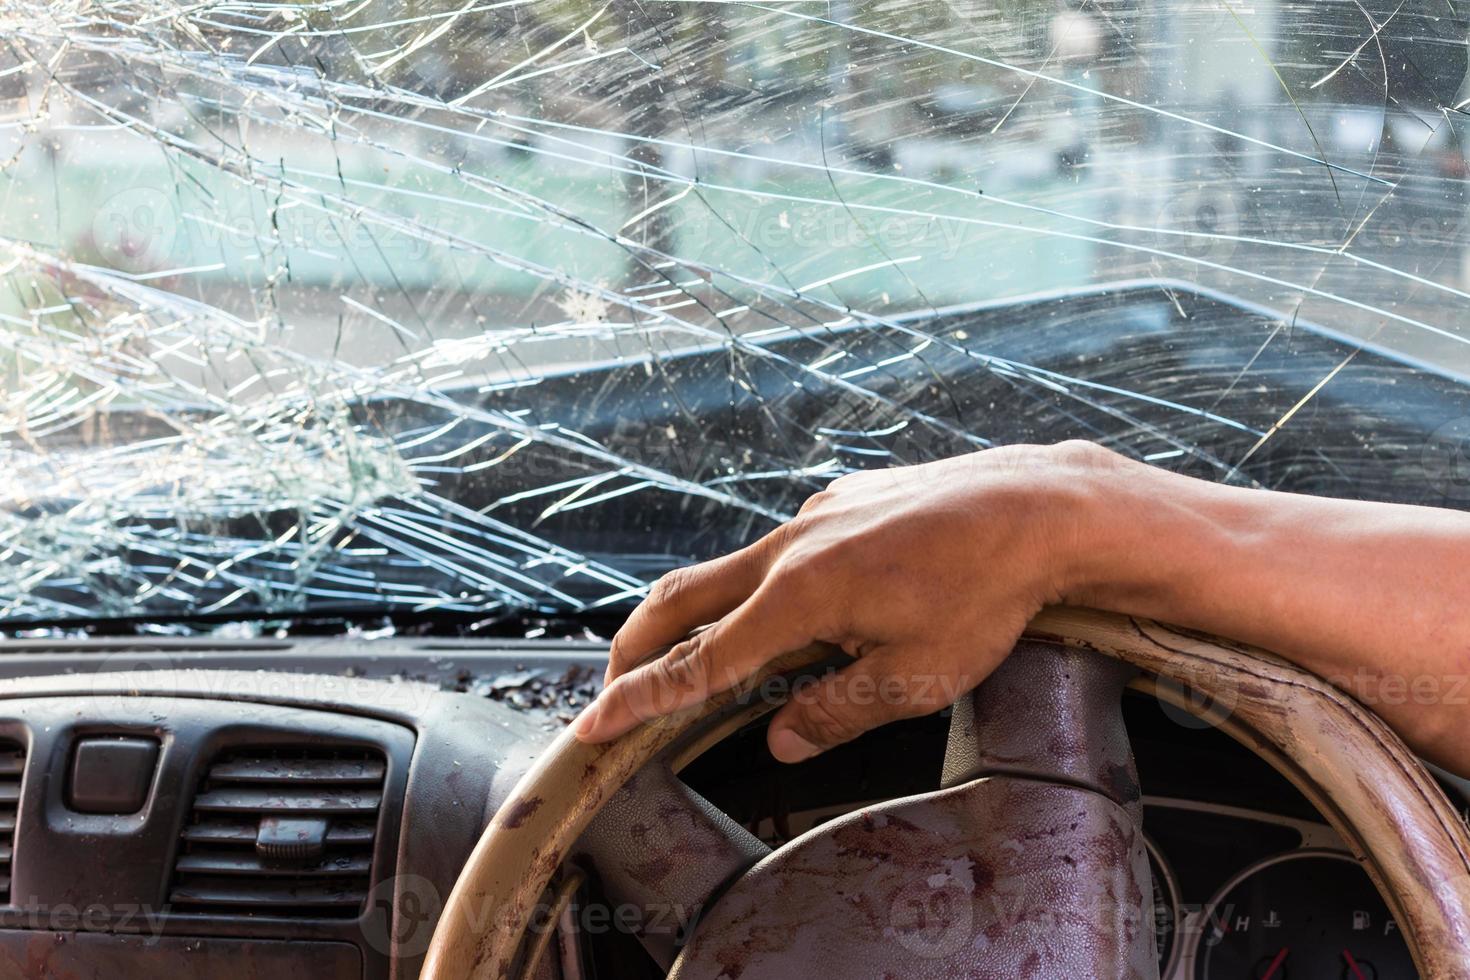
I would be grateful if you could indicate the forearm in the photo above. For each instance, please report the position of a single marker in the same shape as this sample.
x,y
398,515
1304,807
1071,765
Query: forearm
x,y
1373,597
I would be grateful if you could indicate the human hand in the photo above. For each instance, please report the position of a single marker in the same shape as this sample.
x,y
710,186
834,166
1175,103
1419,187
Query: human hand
x,y
926,575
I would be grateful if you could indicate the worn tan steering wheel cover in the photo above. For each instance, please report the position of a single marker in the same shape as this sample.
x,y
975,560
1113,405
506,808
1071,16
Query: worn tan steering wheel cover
x,y
1350,764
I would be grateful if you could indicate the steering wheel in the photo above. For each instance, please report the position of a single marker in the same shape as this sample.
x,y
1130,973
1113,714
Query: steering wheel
x,y
1038,813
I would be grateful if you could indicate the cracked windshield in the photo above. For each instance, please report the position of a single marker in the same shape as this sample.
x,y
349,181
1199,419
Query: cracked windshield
x,y
492,311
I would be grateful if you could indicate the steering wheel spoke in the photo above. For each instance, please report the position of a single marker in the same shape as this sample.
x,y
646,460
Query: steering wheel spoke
x,y
661,852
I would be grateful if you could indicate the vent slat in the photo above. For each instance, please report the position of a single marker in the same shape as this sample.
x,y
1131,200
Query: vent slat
x,y
12,763
287,832
264,895
222,832
294,771
7,823
243,832
289,800
248,864
10,792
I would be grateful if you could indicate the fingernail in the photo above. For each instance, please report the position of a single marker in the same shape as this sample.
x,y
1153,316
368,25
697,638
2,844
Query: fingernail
x,y
787,746
585,722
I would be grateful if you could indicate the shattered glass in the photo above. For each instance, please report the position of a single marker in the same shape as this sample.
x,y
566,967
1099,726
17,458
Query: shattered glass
x,y
504,307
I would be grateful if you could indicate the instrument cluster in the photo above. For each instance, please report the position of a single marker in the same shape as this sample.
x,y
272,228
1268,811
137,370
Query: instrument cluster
x,y
1297,905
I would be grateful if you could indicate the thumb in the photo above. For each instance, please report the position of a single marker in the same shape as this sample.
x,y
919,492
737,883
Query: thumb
x,y
840,706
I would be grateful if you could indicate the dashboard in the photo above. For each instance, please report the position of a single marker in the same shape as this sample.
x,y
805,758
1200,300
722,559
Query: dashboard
x,y
300,808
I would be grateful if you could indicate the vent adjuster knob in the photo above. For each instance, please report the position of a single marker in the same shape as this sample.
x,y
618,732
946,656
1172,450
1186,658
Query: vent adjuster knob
x,y
291,838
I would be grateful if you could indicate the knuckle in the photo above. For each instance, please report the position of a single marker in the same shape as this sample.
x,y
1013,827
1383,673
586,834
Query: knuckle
x,y
1080,452
686,667
775,543
826,724
815,501
669,587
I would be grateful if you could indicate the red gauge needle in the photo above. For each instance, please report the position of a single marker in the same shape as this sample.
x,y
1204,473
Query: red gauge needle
x,y
1276,963
1353,965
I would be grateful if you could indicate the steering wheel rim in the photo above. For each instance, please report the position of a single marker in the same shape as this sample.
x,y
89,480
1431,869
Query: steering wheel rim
x,y
1341,756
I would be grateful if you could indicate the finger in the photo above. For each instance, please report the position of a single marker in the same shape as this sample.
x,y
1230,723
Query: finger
x,y
680,601
880,688
729,652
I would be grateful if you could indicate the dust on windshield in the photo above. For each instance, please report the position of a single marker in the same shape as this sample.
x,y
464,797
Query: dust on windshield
x,y
505,307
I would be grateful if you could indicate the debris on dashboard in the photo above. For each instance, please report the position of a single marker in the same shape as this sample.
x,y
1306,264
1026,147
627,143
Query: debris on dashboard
x,y
562,694
558,695
446,311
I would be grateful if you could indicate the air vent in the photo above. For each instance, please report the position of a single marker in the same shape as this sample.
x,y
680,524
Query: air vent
x,y
12,765
285,832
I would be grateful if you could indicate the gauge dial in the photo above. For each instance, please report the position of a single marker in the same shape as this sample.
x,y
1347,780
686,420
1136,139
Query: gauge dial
x,y
1308,915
